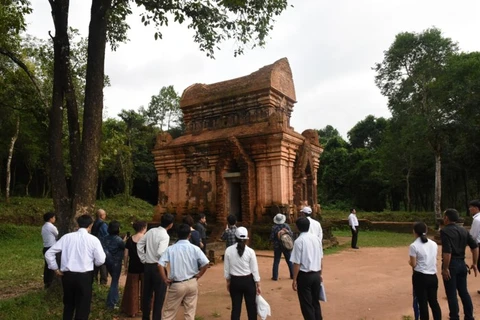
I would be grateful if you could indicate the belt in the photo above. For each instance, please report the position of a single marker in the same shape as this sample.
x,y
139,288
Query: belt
x,y
184,280
309,271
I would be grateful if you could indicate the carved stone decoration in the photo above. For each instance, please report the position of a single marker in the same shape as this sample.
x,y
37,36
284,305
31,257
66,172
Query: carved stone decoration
x,y
239,154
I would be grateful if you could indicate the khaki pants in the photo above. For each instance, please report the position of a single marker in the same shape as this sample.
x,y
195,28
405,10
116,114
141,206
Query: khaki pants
x,y
185,293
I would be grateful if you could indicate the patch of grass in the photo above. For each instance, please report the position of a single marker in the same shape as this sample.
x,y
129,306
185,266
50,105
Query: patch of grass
x,y
21,265
378,238
216,314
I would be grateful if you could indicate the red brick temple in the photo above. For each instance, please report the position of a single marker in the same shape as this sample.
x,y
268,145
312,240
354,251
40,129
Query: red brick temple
x,y
239,155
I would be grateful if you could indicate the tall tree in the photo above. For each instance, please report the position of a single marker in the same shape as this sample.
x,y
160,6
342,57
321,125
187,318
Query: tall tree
x,y
409,70
164,109
245,22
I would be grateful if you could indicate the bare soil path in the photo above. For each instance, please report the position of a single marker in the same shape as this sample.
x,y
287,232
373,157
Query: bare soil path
x,y
365,284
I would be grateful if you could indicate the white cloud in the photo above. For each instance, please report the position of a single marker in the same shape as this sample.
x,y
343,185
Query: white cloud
x,y
331,47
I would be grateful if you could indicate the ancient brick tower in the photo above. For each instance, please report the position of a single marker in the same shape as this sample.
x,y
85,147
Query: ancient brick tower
x,y
239,153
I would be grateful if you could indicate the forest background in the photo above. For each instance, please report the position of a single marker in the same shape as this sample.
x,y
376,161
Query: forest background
x,y
425,157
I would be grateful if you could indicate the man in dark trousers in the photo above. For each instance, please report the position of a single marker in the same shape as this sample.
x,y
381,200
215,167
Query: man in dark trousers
x,y
99,230
80,253
307,270
49,236
454,270
353,223
201,227
150,248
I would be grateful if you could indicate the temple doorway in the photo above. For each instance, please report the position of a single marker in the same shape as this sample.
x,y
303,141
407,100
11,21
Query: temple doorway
x,y
235,198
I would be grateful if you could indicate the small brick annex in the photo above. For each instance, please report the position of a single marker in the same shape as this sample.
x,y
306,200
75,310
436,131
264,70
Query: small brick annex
x,y
238,155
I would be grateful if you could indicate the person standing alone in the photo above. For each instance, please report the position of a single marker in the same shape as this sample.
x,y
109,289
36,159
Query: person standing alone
x,y
454,270
80,253
353,223
423,260
49,236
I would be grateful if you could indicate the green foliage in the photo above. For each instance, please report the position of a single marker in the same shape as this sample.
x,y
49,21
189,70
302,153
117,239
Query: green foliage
x,y
164,109
245,22
378,238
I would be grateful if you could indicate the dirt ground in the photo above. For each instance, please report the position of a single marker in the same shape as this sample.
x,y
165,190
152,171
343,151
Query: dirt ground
x,y
365,284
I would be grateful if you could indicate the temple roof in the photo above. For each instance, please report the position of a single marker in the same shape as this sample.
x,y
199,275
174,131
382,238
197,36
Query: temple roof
x,y
277,76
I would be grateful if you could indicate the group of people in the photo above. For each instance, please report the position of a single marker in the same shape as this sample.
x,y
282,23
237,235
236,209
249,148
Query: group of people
x,y
85,252
423,260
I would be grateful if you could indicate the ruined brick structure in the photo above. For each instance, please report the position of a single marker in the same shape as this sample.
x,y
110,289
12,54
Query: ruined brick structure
x,y
239,153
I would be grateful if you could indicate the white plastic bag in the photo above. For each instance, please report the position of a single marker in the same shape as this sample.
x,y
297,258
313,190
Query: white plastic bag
x,y
323,295
263,308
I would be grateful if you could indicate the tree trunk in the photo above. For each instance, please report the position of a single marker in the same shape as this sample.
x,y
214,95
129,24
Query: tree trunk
x,y
30,177
86,184
437,203
61,43
409,201
9,161
465,188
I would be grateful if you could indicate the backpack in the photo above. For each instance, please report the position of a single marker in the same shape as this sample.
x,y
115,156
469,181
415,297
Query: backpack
x,y
285,239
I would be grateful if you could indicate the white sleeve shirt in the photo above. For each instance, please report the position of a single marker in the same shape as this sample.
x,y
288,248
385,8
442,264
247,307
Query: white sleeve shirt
x,y
152,245
306,252
80,252
353,221
49,234
426,256
475,229
234,265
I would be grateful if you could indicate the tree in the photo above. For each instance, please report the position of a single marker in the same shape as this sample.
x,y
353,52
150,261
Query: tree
x,y
164,109
367,133
407,74
213,22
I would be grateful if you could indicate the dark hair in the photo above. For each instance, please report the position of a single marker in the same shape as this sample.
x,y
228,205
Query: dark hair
x,y
452,215
188,220
240,246
351,210
231,219
474,203
201,216
167,219
49,215
114,228
84,221
139,225
183,231
420,229
303,224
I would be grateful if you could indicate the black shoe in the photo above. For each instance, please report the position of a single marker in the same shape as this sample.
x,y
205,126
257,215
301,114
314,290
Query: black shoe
x,y
478,291
274,279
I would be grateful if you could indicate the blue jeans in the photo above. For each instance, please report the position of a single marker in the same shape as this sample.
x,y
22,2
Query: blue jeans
x,y
277,255
113,297
458,282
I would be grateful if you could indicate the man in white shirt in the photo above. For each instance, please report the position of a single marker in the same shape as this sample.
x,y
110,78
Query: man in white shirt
x,y
315,226
49,236
187,264
150,249
353,223
307,270
474,209
80,252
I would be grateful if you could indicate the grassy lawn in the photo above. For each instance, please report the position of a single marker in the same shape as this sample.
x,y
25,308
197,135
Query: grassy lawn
x,y
378,238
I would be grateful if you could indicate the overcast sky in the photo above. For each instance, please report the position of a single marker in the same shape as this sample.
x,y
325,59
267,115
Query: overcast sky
x,y
331,47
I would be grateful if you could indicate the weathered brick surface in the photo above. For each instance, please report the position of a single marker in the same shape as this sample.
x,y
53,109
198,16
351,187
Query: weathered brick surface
x,y
238,139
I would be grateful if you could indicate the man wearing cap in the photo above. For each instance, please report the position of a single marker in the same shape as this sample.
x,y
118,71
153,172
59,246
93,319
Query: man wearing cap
x,y
315,226
353,223
187,264
307,270
278,249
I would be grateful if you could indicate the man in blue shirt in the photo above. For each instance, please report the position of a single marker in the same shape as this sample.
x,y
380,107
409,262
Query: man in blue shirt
x,y
100,230
187,264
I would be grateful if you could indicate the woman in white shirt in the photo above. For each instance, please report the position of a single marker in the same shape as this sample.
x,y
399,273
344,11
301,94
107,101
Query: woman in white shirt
x,y
423,259
243,278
